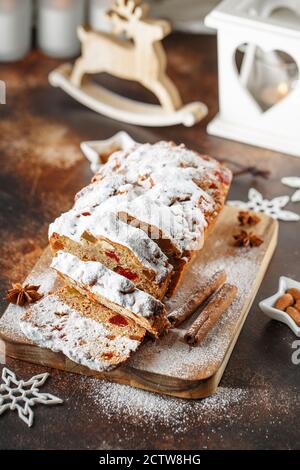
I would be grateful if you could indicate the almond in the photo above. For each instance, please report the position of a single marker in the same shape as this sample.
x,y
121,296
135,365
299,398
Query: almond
x,y
297,305
294,314
294,292
284,301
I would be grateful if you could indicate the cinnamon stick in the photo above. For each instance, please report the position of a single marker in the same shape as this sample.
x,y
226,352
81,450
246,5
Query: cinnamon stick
x,y
209,316
197,298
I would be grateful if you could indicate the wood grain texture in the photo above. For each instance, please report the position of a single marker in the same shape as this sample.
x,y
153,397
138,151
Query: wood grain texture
x,y
197,374
107,103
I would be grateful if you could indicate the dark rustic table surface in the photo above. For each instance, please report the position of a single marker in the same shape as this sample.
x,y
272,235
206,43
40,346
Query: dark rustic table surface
x,y
258,404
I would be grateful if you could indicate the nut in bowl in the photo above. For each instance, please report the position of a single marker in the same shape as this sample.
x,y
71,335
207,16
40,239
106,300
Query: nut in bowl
x,y
286,310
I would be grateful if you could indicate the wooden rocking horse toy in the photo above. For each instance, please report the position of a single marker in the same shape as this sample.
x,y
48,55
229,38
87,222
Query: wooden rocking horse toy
x,y
139,57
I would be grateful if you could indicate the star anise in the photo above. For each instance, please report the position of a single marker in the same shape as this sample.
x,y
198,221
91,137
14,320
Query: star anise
x,y
246,239
22,295
248,218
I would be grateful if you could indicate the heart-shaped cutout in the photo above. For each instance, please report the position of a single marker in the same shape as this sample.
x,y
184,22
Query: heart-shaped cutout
x,y
269,76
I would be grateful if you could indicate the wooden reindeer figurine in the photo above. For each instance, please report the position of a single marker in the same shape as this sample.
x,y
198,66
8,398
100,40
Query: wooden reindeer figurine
x,y
141,57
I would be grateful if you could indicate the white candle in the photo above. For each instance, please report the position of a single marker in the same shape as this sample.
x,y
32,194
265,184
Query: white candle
x,y
97,10
57,26
15,29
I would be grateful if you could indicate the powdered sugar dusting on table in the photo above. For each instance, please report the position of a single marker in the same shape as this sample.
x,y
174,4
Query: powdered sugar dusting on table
x,y
123,401
134,412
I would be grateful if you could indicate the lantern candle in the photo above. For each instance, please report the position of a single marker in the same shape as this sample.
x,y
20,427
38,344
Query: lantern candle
x,y
271,95
15,29
57,26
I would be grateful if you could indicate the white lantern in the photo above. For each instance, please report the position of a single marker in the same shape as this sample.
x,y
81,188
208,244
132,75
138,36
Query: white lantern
x,y
259,103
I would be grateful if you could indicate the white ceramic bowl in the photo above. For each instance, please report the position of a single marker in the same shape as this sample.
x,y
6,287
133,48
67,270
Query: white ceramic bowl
x,y
93,148
267,305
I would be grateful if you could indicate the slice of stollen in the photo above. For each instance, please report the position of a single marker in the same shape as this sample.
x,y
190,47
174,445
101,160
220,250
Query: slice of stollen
x,y
88,333
100,284
98,236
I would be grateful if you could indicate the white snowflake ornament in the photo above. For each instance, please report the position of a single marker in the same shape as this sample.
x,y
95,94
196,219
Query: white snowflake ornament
x,y
293,182
273,207
22,395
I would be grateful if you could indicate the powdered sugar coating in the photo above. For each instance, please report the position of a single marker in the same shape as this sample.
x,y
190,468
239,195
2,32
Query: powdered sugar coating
x,y
100,224
172,176
53,324
146,160
102,281
178,211
172,187
182,223
163,185
96,193
147,164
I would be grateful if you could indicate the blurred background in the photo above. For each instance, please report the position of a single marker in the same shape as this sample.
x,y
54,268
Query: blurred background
x,y
51,24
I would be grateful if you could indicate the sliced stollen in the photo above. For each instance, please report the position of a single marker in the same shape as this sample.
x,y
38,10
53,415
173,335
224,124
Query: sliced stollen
x,y
171,194
173,218
146,165
98,236
181,186
89,334
178,230
172,214
100,284
136,208
177,225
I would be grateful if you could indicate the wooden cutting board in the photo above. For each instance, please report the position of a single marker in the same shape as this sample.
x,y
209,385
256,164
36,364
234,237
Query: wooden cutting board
x,y
169,365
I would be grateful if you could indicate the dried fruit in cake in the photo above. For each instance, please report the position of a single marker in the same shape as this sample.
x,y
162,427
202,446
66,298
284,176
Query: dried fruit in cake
x,y
172,194
81,329
113,290
119,246
181,194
